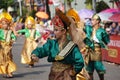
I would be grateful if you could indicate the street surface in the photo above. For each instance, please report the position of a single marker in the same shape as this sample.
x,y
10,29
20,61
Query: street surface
x,y
41,69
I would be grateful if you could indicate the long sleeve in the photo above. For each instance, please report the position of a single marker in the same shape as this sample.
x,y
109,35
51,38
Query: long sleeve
x,y
51,49
1,34
22,31
79,62
103,37
13,36
42,51
26,31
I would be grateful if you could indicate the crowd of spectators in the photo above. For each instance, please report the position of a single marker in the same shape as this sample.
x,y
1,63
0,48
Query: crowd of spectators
x,y
113,28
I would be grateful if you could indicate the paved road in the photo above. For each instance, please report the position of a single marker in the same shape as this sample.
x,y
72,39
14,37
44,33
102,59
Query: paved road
x,y
41,69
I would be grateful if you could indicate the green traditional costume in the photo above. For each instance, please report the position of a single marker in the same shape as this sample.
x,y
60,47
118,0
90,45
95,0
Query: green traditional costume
x,y
51,50
65,56
94,55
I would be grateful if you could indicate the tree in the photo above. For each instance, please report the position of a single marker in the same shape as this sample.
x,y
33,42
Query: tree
x,y
101,5
89,4
48,9
6,3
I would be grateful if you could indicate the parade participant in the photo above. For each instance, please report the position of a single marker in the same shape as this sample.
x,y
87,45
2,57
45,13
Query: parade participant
x,y
76,30
64,54
77,36
96,38
31,35
7,37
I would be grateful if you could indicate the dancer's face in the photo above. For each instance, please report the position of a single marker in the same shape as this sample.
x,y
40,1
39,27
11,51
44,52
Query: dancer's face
x,y
59,32
4,24
94,22
29,26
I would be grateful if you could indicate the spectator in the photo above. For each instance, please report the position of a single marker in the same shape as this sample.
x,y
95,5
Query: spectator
x,y
118,28
113,28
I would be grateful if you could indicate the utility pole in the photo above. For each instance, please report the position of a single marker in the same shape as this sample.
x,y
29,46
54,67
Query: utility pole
x,y
75,3
20,7
94,5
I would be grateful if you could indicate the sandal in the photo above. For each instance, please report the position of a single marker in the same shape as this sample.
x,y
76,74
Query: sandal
x,y
9,76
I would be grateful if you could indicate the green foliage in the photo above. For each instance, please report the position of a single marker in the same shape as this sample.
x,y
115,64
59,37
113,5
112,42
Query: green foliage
x,y
24,11
69,0
88,4
6,3
101,6
32,13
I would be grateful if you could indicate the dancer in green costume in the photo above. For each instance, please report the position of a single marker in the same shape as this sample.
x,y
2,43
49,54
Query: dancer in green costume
x,y
64,54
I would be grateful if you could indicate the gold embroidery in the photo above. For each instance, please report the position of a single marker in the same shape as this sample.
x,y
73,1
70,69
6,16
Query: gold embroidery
x,y
59,67
64,52
113,53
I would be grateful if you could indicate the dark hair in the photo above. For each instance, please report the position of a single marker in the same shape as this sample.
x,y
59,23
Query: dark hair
x,y
97,17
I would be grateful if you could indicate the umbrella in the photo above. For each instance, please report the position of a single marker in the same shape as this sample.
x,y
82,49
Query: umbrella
x,y
42,15
110,10
115,17
85,13
105,16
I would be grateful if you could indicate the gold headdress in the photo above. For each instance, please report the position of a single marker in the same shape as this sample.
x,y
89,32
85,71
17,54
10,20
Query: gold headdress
x,y
73,13
5,16
30,20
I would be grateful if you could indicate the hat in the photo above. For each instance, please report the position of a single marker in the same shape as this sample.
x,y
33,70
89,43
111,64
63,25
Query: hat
x,y
63,18
95,16
30,20
5,16
73,13
57,21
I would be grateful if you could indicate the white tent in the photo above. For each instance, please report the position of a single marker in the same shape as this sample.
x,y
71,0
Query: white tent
x,y
1,10
10,9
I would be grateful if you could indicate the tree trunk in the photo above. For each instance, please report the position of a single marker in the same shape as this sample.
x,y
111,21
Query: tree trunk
x,y
48,9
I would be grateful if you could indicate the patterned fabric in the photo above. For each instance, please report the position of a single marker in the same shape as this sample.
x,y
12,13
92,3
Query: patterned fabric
x,y
51,49
63,17
6,59
57,21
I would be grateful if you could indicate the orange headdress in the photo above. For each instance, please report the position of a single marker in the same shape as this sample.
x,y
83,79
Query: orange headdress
x,y
73,13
